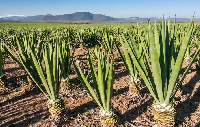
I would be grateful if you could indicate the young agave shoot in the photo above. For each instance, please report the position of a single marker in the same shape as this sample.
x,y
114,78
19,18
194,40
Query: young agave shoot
x,y
102,82
65,58
2,76
48,75
109,42
160,78
135,83
22,53
163,109
51,79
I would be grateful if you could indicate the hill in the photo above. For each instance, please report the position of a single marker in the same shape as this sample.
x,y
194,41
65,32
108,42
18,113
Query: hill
x,y
82,17
78,16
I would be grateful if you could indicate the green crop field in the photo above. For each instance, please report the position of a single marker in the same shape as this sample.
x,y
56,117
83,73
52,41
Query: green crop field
x,y
60,63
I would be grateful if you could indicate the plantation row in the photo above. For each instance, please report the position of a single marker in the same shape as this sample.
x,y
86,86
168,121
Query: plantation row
x,y
151,52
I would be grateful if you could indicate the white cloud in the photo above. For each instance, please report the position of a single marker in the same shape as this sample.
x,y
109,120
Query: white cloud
x,y
14,15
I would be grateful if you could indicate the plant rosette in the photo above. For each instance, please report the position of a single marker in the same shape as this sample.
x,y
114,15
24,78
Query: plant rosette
x,y
164,112
108,117
56,107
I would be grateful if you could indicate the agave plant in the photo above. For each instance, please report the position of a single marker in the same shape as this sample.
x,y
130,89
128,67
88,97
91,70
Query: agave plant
x,y
65,58
22,55
128,62
1,65
102,82
108,42
50,79
1,60
48,73
160,78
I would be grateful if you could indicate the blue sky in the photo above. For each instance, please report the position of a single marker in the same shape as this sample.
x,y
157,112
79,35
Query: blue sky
x,y
114,8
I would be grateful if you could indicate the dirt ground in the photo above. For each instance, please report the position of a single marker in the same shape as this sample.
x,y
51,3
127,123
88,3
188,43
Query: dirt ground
x,y
22,105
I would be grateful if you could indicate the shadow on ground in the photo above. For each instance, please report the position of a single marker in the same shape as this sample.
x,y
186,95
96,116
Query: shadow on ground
x,y
186,108
22,110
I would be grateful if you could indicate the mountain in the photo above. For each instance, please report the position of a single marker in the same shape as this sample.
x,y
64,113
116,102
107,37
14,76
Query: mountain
x,y
78,16
82,17
36,16
13,18
21,17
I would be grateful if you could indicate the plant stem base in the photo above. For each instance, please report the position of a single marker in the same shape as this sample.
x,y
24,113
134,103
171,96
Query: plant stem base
x,y
108,118
164,113
56,108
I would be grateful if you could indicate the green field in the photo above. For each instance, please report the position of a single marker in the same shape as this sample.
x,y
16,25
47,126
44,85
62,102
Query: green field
x,y
155,56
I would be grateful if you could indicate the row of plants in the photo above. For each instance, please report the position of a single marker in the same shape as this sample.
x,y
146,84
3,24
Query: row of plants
x,y
154,55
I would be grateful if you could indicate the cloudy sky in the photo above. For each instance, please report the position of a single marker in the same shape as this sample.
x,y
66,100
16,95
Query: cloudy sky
x,y
114,8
